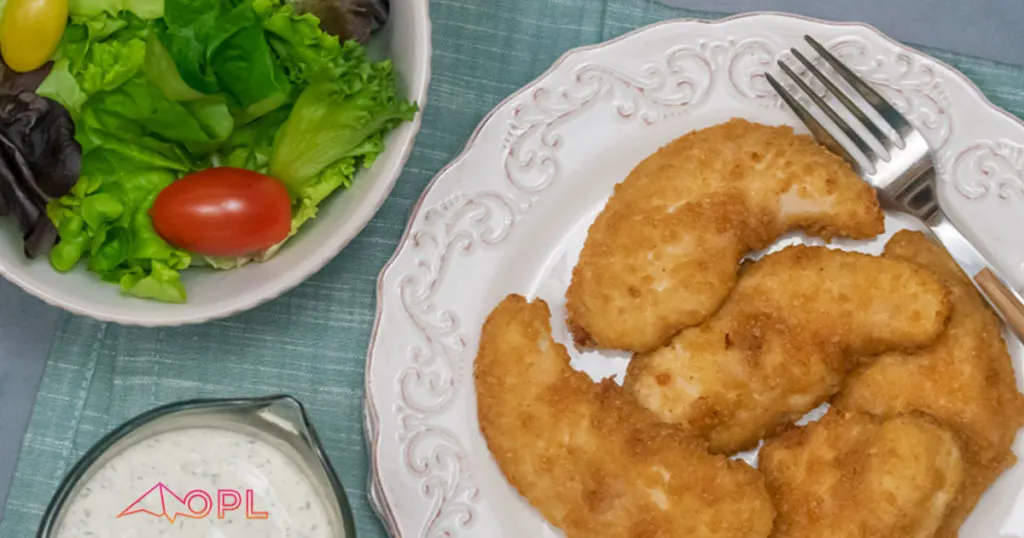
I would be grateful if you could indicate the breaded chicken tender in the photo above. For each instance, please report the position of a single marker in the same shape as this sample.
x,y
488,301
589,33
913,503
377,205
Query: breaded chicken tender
x,y
858,476
591,460
793,327
663,253
965,380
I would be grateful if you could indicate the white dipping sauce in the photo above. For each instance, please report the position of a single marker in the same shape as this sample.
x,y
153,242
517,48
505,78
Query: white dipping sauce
x,y
207,459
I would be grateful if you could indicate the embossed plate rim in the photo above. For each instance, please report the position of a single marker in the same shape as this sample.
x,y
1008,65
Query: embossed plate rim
x,y
379,500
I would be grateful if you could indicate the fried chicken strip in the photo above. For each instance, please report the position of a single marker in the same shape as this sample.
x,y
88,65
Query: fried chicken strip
x,y
858,476
663,253
793,327
965,380
591,460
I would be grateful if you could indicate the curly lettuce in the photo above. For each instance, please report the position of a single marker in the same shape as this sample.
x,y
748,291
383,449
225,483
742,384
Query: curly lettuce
x,y
331,122
105,220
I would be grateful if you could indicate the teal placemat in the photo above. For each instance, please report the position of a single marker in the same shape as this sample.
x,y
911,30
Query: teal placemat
x,y
312,342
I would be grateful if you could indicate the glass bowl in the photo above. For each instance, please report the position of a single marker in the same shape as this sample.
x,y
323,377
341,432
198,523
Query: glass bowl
x,y
278,420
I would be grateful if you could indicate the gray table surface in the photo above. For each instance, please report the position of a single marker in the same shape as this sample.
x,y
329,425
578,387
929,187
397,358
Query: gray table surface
x,y
984,28
26,332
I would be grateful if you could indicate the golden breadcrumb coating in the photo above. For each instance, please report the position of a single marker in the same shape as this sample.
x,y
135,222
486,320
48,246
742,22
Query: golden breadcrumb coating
x,y
663,253
591,460
858,476
797,321
965,380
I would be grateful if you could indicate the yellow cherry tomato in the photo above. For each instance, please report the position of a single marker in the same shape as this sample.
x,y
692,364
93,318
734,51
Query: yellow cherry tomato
x,y
30,31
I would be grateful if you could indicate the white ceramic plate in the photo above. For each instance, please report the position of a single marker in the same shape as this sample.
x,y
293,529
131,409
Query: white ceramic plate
x,y
511,213
406,40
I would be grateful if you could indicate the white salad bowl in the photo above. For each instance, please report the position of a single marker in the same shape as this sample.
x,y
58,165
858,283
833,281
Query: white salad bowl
x,y
406,40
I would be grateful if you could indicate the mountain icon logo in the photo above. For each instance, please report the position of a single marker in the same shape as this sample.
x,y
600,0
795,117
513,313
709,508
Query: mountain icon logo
x,y
160,496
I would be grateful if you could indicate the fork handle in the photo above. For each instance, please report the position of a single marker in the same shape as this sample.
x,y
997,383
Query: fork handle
x,y
1003,299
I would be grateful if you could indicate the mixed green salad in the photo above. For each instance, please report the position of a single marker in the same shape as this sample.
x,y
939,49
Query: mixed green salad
x,y
144,137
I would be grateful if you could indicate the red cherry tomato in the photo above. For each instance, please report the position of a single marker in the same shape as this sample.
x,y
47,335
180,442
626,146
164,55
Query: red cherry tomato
x,y
223,212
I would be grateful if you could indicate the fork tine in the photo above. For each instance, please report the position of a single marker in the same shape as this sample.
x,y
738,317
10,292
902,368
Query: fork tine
x,y
831,113
883,107
817,130
883,138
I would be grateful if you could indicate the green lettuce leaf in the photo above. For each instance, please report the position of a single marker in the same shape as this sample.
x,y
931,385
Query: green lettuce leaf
x,y
160,71
220,47
145,106
328,124
111,131
87,63
105,219
61,86
109,64
307,53
213,115
143,9
249,146
162,282
338,175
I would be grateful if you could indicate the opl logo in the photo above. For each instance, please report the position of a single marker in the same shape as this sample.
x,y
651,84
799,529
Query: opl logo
x,y
196,504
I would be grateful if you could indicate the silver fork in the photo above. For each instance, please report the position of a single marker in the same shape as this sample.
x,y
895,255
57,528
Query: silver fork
x,y
904,175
